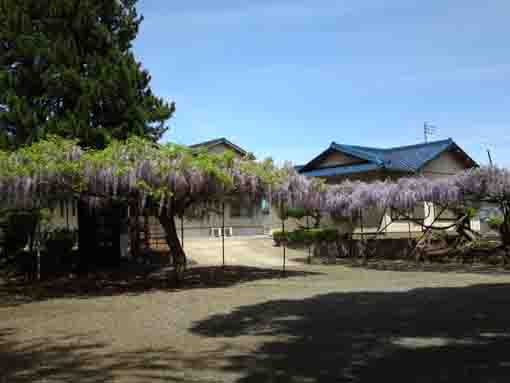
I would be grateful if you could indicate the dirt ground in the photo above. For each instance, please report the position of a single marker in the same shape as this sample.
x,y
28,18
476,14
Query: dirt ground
x,y
248,323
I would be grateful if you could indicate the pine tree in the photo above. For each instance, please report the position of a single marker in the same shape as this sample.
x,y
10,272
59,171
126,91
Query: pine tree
x,y
67,68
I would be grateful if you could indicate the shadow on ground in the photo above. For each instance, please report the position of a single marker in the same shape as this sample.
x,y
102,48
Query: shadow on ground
x,y
77,359
135,280
423,335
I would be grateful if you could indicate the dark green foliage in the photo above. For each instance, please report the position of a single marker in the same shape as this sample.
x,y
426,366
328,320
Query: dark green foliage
x,y
298,236
280,236
302,236
60,241
300,213
19,228
328,235
297,213
66,68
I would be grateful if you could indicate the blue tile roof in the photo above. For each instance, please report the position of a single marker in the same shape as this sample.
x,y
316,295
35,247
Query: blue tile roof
x,y
408,159
341,170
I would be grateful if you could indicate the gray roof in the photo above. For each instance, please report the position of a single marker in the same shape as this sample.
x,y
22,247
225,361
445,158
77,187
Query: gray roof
x,y
219,141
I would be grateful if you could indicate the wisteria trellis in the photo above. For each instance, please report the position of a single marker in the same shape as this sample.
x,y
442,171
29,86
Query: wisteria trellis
x,y
141,171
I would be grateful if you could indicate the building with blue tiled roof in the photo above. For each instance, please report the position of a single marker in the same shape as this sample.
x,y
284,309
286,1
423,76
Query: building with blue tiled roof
x,y
341,161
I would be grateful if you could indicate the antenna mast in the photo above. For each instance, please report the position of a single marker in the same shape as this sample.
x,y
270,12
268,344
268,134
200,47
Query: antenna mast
x,y
490,157
428,130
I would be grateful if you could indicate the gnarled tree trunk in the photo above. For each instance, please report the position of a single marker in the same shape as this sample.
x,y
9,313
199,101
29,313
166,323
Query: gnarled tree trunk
x,y
167,220
134,230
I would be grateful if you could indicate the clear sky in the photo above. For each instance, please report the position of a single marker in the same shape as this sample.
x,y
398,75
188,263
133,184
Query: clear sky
x,y
285,78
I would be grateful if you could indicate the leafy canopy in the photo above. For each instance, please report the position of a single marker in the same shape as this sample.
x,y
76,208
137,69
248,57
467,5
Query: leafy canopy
x,y
67,68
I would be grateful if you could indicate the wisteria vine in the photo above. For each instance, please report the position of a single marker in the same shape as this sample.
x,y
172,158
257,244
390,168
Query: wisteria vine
x,y
170,174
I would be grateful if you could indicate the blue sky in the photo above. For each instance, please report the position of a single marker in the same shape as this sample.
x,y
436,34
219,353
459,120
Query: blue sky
x,y
285,78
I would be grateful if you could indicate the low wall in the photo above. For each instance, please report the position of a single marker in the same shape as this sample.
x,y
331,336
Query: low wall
x,y
388,248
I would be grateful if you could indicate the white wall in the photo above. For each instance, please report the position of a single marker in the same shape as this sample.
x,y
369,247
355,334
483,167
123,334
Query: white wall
x,y
446,164
64,215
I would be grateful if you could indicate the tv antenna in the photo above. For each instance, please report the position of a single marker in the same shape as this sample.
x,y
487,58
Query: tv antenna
x,y
428,130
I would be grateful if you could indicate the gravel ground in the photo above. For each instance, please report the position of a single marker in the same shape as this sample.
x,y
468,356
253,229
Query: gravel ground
x,y
316,324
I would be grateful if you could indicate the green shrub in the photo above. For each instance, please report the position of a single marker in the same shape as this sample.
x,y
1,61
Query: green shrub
x,y
307,236
280,236
472,212
324,235
297,236
495,222
297,213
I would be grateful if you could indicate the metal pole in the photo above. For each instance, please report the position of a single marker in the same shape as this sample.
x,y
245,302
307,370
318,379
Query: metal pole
x,y
309,243
410,235
490,158
284,243
362,232
39,251
223,232
361,224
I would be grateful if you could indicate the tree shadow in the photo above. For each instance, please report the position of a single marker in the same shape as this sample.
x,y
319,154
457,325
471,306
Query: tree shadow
x,y
422,335
134,281
45,360
77,359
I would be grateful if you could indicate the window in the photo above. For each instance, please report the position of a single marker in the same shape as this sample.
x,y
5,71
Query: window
x,y
265,207
418,213
398,215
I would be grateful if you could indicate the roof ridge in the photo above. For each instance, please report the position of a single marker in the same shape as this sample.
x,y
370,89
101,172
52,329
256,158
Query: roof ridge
x,y
363,153
448,140
423,144
208,142
357,146
216,141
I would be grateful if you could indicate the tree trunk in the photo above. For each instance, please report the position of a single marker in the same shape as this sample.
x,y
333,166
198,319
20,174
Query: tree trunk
x,y
317,220
134,227
87,231
172,239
